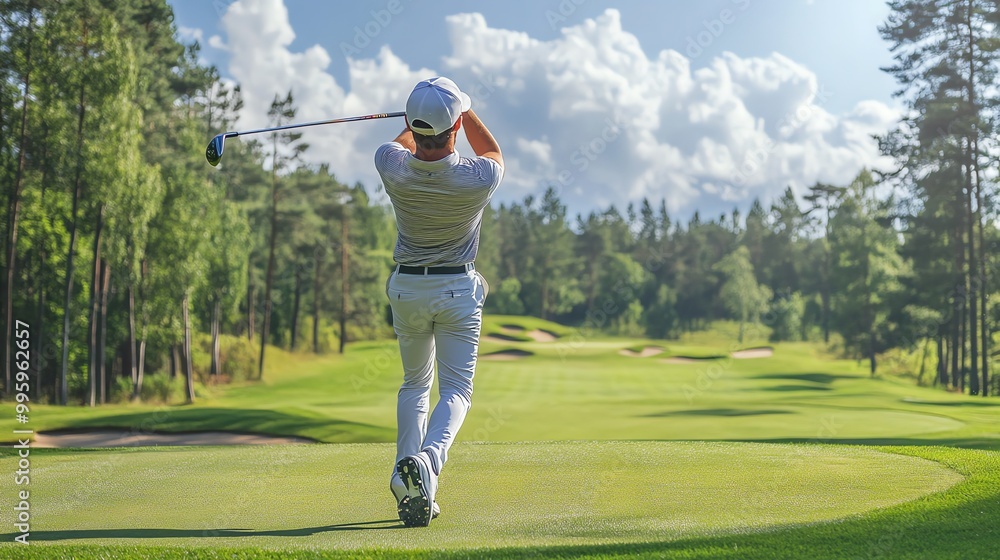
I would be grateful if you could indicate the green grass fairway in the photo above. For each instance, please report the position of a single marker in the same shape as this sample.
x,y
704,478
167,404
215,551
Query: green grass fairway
x,y
573,451
494,495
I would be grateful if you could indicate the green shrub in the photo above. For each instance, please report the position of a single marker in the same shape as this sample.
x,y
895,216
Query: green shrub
x,y
505,299
121,390
239,357
786,318
157,388
201,355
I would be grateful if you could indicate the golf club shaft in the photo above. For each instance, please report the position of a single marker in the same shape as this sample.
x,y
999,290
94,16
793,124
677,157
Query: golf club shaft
x,y
318,123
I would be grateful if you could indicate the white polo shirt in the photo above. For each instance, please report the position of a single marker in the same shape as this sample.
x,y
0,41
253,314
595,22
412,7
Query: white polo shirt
x,y
439,204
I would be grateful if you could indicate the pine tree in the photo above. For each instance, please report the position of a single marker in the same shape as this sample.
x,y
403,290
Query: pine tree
x,y
285,149
945,62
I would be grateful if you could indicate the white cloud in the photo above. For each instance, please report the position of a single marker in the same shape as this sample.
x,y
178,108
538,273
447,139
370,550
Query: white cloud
x,y
588,112
191,33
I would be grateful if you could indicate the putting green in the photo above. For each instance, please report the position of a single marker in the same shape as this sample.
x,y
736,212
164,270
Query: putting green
x,y
519,494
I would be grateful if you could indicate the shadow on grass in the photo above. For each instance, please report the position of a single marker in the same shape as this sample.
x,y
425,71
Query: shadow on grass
x,y
727,412
823,378
787,388
86,534
508,337
968,404
238,420
980,443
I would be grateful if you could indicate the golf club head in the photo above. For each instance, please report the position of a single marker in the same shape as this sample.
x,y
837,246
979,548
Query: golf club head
x,y
214,151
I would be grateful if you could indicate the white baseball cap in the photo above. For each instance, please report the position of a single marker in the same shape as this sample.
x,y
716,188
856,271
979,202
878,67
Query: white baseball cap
x,y
435,105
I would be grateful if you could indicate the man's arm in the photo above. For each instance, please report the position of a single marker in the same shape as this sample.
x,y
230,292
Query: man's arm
x,y
480,139
405,138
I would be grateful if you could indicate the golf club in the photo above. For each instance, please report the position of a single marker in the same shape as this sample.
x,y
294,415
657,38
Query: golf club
x,y
215,148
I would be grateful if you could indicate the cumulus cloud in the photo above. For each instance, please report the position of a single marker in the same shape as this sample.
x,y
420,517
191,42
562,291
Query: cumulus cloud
x,y
587,112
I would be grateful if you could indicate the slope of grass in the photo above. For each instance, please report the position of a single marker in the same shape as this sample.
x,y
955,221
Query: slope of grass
x,y
575,388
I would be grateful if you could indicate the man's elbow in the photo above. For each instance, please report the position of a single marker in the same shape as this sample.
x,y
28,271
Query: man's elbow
x,y
495,156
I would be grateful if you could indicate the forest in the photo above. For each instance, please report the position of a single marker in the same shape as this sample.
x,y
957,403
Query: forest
x,y
134,262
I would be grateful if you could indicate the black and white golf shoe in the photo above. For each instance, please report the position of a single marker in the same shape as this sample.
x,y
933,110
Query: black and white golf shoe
x,y
416,507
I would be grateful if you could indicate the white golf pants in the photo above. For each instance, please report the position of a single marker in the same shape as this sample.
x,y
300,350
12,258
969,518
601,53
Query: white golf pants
x,y
436,318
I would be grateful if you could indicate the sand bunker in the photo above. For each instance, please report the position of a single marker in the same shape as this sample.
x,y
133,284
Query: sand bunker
x,y
691,359
752,353
646,352
506,355
114,438
539,335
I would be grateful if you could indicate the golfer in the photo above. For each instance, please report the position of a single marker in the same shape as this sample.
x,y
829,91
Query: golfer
x,y
435,292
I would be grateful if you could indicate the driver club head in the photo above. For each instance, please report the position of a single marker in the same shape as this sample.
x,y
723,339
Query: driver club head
x,y
214,151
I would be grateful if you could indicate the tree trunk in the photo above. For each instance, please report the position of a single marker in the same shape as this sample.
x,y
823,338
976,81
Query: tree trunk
x,y
77,186
316,303
133,373
42,262
95,289
268,283
345,257
827,265
958,296
174,360
970,195
942,365
953,346
251,302
141,360
15,209
102,342
40,325
216,328
962,349
188,365
140,369
923,362
295,307
981,274
973,293
983,295
869,314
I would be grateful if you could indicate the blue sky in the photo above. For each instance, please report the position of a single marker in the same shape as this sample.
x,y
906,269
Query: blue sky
x,y
743,70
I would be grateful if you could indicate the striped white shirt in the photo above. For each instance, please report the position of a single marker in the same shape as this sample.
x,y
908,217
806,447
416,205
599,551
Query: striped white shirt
x,y
439,204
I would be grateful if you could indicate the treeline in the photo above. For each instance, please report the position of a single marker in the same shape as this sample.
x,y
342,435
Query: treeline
x,y
843,262
122,246
128,255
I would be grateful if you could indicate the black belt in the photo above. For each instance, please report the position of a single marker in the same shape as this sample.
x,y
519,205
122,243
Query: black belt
x,y
435,270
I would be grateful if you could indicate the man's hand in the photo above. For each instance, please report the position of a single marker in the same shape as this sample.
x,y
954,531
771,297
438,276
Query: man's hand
x,y
479,136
